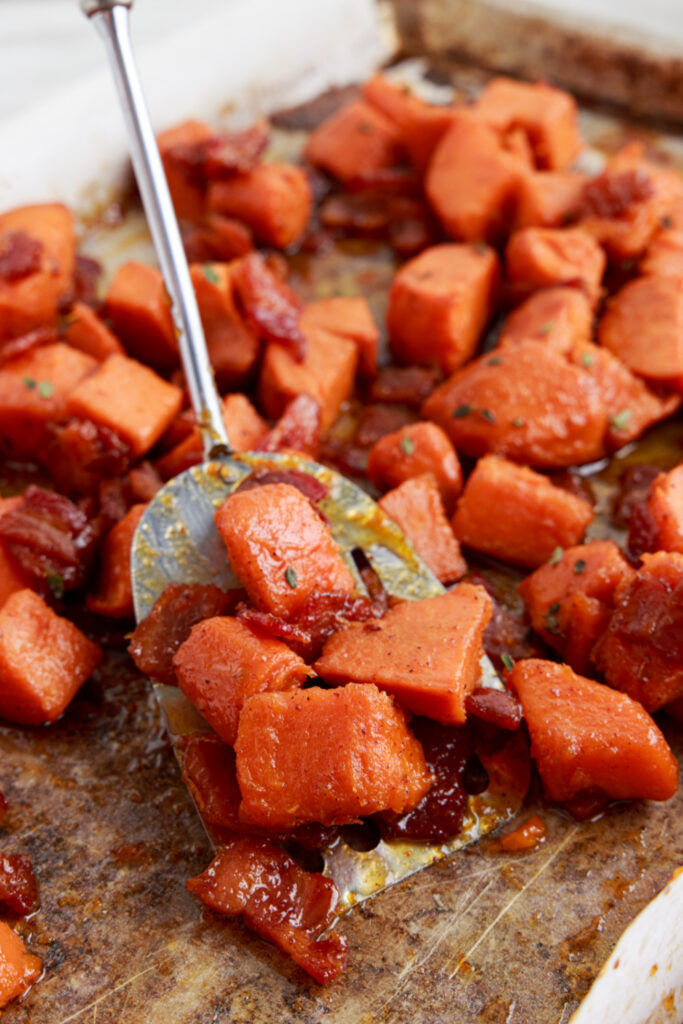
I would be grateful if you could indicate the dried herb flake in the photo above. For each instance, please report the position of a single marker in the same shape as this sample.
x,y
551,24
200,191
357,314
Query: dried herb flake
x,y
46,388
408,445
507,661
290,577
461,411
621,420
556,556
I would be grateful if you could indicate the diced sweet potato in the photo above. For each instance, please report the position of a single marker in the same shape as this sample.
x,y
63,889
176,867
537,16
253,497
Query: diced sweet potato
x,y
665,508
326,373
139,308
33,392
115,594
471,182
355,143
85,331
440,303
12,576
415,449
559,317
548,199
349,317
130,399
244,426
544,257
182,149
280,548
586,736
547,115
664,254
417,509
233,346
643,326
526,402
571,626
223,662
278,900
425,653
515,514
44,660
274,200
331,756
37,263
18,968
641,651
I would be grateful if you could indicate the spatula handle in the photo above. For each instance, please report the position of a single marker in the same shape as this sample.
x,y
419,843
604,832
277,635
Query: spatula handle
x,y
111,20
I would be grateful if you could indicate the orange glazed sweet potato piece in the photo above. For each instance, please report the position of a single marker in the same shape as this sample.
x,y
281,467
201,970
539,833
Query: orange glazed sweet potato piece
x,y
326,373
130,399
223,662
415,449
356,142
440,303
33,392
349,317
18,968
664,254
85,331
471,181
425,653
115,593
12,576
515,514
37,262
526,402
280,548
331,756
138,306
548,199
274,200
177,146
665,509
44,659
547,115
559,317
233,347
544,257
586,736
643,326
417,509
244,426
641,651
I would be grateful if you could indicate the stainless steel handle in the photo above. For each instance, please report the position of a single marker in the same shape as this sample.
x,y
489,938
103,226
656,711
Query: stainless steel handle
x,y
111,20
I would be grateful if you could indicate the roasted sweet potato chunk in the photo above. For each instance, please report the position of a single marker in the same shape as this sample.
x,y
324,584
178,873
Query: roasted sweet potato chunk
x,y
87,332
115,594
665,509
548,199
233,346
349,317
643,326
355,143
545,257
18,968
139,309
420,125
413,450
274,200
12,576
559,317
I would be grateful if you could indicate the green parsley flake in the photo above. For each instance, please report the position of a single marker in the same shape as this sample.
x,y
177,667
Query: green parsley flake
x,y
486,414
45,388
56,584
546,328
481,247
290,576
29,382
518,422
621,420
556,556
494,361
507,661
210,274
579,565
461,411
408,445
587,358
550,619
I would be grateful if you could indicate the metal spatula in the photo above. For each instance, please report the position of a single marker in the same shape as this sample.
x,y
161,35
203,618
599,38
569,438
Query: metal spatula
x,y
176,541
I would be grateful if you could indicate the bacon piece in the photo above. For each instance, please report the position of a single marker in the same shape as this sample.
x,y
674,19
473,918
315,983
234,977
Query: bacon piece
x,y
78,453
312,488
407,385
235,152
14,347
20,255
278,900
613,196
86,280
18,886
299,427
499,707
270,306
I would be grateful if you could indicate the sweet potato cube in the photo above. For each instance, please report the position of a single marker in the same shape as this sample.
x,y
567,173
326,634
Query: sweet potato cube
x,y
471,182
33,392
641,651
425,653
331,756
417,509
440,303
356,142
420,125
139,308
643,326
326,373
415,449
18,968
548,199
517,515
130,399
349,317
115,594
44,659
181,148
587,736
244,426
274,200
559,317
526,402
665,508
223,662
12,576
85,331
664,254
544,257
38,257
233,347
280,548
547,115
